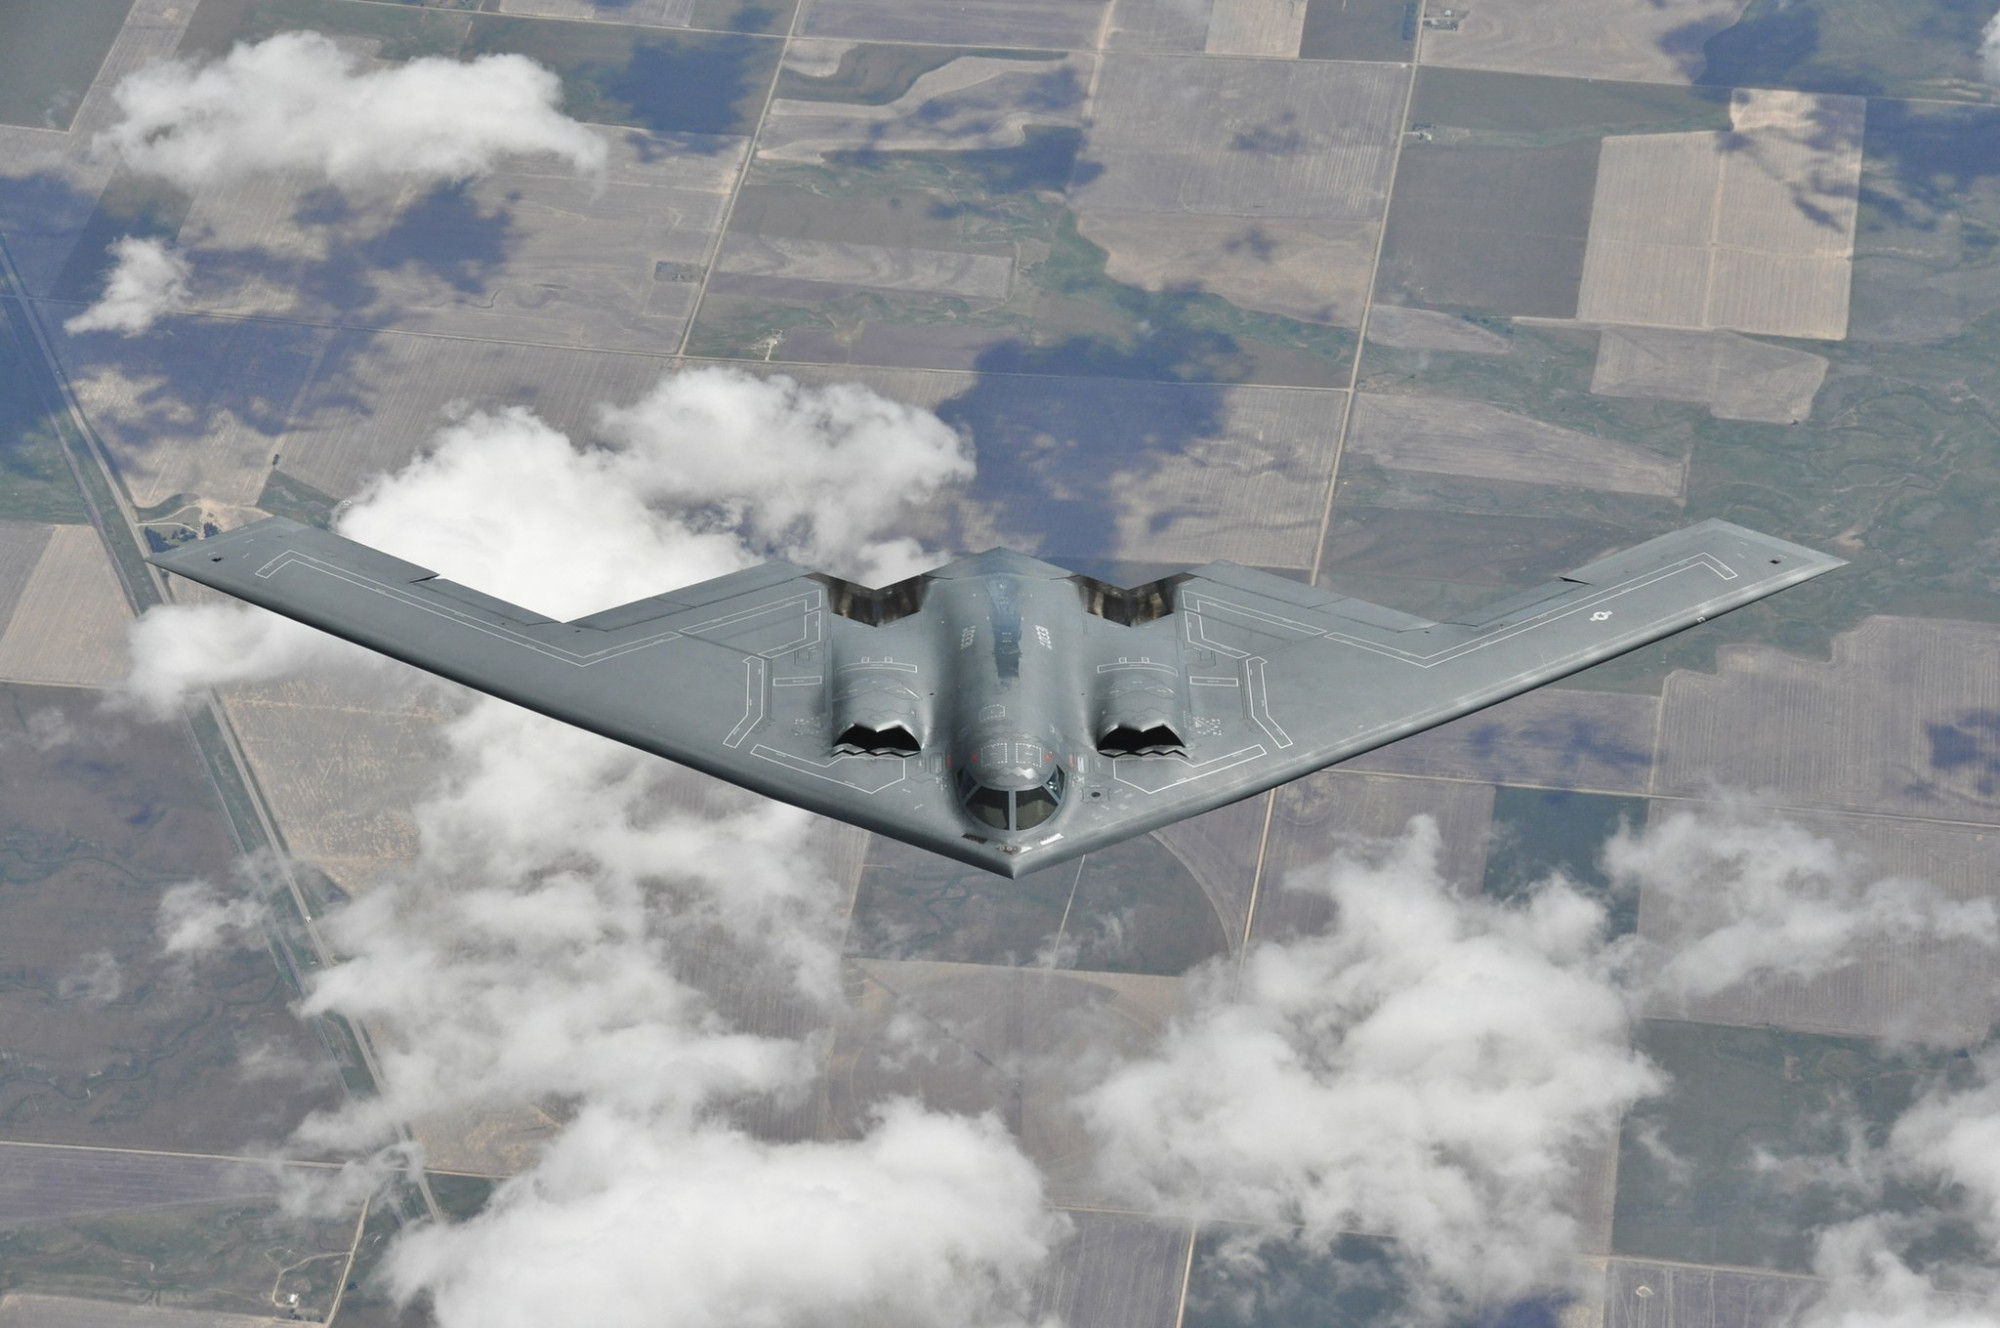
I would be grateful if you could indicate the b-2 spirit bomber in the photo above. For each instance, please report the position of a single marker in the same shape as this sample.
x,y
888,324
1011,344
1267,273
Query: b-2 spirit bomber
x,y
1000,710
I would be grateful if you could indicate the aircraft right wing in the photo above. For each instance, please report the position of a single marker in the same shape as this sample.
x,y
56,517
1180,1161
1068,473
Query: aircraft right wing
x,y
1284,679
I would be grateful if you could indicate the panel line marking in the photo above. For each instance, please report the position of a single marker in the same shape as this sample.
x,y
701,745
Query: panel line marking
x,y
753,701
292,557
819,769
1212,766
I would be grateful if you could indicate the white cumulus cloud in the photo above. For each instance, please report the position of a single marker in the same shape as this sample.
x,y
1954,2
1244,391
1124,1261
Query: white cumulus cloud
x,y
1435,1069
298,102
148,282
1947,1146
504,503
928,1220
195,919
1744,897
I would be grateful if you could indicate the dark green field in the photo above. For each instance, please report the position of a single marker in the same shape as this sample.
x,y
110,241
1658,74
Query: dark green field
x,y
1732,1165
49,53
229,1258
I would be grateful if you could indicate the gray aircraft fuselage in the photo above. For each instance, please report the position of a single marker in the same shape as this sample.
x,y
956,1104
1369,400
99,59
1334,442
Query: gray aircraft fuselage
x,y
1007,697
1016,704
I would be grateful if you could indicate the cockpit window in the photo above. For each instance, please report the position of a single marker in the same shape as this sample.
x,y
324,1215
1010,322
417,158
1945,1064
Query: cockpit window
x,y
1023,810
1032,807
989,805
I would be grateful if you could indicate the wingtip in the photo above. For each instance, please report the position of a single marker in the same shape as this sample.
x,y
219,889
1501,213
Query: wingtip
x,y
196,551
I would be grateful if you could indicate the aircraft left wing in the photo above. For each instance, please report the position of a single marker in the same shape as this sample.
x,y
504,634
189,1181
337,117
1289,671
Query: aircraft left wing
x,y
724,676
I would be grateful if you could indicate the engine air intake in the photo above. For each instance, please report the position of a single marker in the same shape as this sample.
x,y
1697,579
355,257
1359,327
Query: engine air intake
x,y
888,740
865,604
1133,606
1156,740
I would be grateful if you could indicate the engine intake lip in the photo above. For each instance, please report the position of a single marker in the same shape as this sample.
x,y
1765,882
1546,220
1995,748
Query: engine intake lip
x,y
1129,740
894,739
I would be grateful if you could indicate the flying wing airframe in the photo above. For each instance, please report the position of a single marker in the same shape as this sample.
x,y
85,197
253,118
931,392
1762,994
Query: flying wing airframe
x,y
1000,710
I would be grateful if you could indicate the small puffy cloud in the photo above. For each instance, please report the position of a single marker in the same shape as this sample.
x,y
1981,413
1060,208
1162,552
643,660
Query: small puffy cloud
x,y
298,102
1743,897
180,649
95,979
1434,1069
148,282
195,919
1989,49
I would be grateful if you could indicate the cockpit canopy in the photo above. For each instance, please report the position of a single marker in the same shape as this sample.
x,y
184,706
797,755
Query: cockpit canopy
x,y
1011,809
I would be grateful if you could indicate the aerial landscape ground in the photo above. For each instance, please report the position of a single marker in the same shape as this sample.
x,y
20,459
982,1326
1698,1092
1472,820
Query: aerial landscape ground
x,y
1417,304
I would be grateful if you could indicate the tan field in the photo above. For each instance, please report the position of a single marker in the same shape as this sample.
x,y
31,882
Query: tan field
x,y
1898,722
1254,494
1448,437
380,397
580,263
1306,139
1256,27
1735,377
1316,271
1219,849
935,271
663,13
342,756
1652,1295
1642,41
1251,488
1557,738
21,546
69,624
1116,1268
1401,327
1751,230
970,104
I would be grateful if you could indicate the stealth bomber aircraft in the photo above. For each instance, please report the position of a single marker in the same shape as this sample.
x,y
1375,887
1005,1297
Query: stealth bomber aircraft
x,y
1000,710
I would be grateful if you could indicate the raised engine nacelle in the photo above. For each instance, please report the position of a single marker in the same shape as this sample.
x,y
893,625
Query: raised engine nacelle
x,y
1142,709
877,710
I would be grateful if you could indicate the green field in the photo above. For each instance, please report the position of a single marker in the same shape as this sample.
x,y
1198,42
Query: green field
x,y
230,1258
870,74
1748,1131
1912,48
49,54
1284,1284
1529,111
35,483
1539,833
